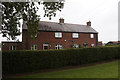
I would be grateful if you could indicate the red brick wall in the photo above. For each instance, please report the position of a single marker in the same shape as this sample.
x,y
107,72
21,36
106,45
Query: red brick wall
x,y
49,37
66,40
6,45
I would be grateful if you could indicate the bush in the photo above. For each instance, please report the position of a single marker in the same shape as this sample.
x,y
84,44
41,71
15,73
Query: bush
x,y
32,61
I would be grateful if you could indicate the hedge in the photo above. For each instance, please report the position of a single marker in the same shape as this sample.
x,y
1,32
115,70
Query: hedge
x,y
32,61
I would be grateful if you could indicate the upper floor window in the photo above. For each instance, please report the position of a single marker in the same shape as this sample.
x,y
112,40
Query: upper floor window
x,y
12,47
34,47
75,35
58,34
91,35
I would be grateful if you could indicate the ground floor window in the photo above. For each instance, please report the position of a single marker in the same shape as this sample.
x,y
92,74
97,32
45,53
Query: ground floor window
x,y
92,45
85,44
45,46
76,46
58,46
34,47
12,47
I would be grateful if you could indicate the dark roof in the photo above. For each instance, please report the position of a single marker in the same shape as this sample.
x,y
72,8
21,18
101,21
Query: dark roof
x,y
63,27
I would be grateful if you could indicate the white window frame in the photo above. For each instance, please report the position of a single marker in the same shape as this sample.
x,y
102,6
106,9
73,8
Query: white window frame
x,y
58,34
12,47
92,45
75,35
76,46
34,47
91,35
58,46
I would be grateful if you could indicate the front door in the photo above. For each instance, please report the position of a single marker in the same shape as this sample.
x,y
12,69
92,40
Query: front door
x,y
45,46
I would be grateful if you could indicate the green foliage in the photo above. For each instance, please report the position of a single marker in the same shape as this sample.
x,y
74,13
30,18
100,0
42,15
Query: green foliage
x,y
13,12
51,8
31,61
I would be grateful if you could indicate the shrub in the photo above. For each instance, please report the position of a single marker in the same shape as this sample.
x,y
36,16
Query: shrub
x,y
32,61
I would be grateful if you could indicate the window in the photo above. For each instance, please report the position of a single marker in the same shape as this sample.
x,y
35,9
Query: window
x,y
85,44
58,46
75,35
92,45
91,35
45,46
58,35
12,47
75,46
34,47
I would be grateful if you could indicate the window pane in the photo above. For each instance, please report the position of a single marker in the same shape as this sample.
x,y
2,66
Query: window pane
x,y
85,44
58,34
12,47
91,35
92,45
45,47
75,35
34,47
58,46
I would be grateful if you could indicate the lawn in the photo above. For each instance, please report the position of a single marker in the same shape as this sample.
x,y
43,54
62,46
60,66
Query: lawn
x,y
105,70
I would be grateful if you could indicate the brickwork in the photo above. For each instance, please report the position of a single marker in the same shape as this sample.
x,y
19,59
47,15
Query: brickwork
x,y
49,38
66,41
7,45
46,37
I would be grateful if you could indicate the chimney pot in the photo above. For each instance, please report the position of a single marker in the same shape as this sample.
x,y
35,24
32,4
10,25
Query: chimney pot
x,y
89,23
61,20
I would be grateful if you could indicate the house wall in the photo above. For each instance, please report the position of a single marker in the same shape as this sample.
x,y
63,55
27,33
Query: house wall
x,y
66,41
49,37
7,45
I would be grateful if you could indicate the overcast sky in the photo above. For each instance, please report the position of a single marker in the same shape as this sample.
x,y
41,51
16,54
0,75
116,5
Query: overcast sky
x,y
103,15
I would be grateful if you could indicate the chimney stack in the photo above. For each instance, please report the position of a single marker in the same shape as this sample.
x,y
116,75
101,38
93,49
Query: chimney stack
x,y
61,20
89,23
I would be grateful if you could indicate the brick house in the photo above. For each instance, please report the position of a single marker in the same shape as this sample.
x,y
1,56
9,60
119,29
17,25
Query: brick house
x,y
53,35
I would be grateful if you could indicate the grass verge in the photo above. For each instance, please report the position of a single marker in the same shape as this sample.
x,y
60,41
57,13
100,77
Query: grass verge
x,y
105,70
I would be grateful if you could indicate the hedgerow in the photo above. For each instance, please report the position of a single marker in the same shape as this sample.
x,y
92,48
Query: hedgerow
x,y
31,61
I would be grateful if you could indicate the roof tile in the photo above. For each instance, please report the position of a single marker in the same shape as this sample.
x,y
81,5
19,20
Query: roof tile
x,y
64,27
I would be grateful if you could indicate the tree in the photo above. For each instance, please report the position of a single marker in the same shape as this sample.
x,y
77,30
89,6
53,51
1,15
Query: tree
x,y
13,12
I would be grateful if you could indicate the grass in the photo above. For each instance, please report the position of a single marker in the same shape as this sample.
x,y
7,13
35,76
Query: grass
x,y
105,70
